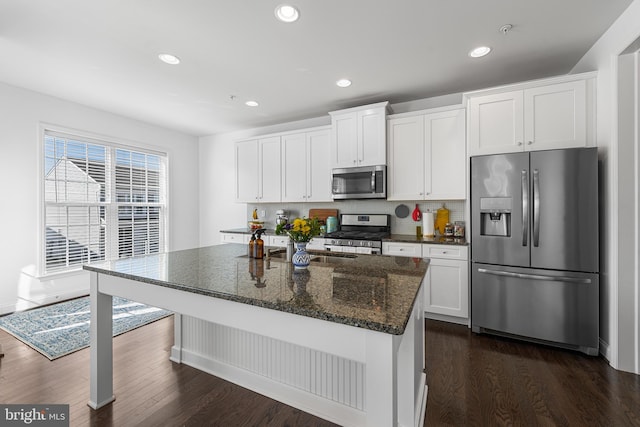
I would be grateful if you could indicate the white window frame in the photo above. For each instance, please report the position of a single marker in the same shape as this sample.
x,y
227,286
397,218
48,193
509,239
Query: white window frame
x,y
112,205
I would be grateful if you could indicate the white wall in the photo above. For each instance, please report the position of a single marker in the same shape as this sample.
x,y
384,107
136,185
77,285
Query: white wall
x,y
619,189
21,113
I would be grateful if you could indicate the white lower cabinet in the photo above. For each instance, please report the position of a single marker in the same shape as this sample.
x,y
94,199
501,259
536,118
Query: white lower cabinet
x,y
279,241
402,249
316,244
235,238
446,287
446,283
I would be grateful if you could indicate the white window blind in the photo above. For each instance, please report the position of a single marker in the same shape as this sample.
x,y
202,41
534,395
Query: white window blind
x,y
100,202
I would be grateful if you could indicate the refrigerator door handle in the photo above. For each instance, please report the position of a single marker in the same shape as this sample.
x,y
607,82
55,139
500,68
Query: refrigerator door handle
x,y
536,208
534,276
525,207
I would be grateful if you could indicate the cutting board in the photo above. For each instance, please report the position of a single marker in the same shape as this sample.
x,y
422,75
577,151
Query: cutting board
x,y
322,214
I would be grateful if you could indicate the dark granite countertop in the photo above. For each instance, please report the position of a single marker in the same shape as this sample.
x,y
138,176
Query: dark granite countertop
x,y
407,238
439,240
368,291
269,231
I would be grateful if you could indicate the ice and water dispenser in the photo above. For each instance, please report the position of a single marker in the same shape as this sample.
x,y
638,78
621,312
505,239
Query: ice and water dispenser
x,y
495,216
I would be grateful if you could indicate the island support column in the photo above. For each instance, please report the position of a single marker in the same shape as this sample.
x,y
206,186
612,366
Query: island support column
x,y
101,351
396,387
381,379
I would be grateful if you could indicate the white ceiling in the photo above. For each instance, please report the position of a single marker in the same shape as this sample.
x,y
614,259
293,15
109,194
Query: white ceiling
x,y
103,53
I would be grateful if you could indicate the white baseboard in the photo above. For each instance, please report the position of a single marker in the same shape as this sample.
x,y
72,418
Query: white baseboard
x,y
445,318
420,415
18,304
605,350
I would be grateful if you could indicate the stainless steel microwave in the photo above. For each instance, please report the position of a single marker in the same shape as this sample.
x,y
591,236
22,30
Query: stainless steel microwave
x,y
365,182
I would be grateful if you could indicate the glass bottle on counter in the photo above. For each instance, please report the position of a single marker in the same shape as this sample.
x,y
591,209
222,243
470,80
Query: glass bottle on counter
x,y
252,245
258,251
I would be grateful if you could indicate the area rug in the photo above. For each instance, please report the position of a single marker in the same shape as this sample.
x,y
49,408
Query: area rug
x,y
62,328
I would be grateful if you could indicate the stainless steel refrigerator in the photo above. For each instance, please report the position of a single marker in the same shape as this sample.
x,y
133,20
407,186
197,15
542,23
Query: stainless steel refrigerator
x,y
534,247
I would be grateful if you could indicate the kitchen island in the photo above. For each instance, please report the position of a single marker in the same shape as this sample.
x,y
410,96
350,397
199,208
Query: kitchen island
x,y
343,340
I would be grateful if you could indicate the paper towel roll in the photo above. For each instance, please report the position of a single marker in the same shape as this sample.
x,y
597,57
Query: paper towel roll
x,y
428,221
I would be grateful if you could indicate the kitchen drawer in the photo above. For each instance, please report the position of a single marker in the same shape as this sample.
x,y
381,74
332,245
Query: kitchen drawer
x,y
402,249
235,238
316,244
280,241
445,251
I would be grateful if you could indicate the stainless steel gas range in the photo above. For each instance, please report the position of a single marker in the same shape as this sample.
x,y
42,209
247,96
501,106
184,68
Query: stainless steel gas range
x,y
359,233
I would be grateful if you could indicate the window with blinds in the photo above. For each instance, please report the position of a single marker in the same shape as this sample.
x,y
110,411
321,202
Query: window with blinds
x,y
100,202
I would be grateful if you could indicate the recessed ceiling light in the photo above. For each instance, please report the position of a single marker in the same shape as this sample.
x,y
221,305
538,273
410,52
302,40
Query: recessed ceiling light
x,y
251,103
169,59
479,51
287,13
343,83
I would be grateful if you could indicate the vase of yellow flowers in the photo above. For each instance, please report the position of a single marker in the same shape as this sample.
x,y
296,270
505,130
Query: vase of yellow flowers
x,y
300,231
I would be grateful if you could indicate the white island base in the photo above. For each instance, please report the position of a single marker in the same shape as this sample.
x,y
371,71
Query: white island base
x,y
348,375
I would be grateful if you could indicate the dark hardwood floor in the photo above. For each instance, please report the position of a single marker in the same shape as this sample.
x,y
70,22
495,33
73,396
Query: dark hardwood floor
x,y
150,389
481,380
473,381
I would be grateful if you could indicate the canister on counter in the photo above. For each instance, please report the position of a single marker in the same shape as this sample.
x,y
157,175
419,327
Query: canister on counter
x,y
458,229
332,224
442,218
448,229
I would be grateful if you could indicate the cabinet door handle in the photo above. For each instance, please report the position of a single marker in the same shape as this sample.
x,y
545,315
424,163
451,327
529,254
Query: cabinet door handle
x,y
534,276
530,142
519,142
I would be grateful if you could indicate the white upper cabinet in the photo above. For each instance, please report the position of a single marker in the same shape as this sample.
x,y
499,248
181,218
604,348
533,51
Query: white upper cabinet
x,y
541,115
269,169
427,156
246,154
445,156
556,116
258,170
318,166
294,168
306,173
496,123
359,136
